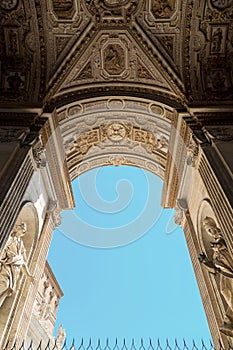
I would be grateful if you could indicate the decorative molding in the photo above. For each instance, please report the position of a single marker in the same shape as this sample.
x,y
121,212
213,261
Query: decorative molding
x,y
115,126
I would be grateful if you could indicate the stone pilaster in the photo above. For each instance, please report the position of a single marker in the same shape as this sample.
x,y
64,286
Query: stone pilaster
x,y
18,133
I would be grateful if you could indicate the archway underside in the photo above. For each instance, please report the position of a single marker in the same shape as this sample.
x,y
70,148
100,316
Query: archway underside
x,y
118,130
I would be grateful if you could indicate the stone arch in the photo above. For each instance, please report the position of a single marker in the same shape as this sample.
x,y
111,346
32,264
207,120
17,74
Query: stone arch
x,y
116,130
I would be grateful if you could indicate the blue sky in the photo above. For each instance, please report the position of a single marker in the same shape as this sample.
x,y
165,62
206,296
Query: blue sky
x,y
123,264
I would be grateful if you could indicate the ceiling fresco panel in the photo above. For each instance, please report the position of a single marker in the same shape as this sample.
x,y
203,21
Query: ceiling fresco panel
x,y
211,55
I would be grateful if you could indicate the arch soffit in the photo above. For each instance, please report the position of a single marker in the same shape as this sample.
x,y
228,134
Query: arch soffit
x,y
115,131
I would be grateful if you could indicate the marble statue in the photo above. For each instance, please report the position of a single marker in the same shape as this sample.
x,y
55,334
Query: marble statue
x,y
61,336
221,263
13,263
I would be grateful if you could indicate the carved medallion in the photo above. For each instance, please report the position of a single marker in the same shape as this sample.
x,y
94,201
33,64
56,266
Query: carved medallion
x,y
8,4
116,132
111,8
162,9
115,3
114,59
221,4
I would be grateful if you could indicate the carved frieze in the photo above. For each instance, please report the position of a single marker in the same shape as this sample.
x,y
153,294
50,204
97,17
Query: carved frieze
x,y
116,125
111,135
116,132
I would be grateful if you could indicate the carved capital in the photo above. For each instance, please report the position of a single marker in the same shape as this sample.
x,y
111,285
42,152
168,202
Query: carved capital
x,y
192,153
38,152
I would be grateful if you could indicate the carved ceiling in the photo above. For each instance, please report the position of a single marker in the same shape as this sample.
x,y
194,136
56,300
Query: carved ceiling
x,y
54,52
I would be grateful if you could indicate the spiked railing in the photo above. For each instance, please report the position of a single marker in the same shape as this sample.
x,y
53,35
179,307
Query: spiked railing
x,y
157,345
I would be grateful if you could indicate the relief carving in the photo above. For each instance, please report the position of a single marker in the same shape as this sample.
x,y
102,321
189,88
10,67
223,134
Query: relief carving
x,y
218,40
55,212
38,152
44,310
107,9
220,263
143,72
115,3
162,9
8,4
221,4
12,39
13,263
15,82
116,133
114,59
168,43
60,337
217,37
14,87
218,83
64,9
192,153
86,72
211,56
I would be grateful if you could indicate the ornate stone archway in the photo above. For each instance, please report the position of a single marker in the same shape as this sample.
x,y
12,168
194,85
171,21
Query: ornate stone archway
x,y
115,131
90,83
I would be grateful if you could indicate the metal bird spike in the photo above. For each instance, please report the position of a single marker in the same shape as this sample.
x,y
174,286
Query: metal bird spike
x,y
39,346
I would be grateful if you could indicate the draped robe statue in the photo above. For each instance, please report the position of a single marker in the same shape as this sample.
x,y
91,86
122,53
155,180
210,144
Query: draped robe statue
x,y
13,263
61,336
222,263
